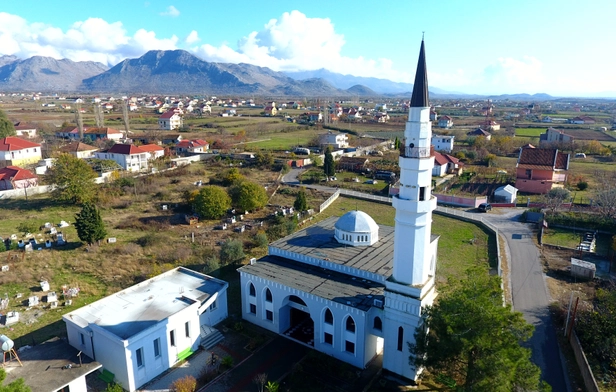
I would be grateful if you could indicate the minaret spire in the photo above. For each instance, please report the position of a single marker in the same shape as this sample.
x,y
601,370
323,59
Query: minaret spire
x,y
419,99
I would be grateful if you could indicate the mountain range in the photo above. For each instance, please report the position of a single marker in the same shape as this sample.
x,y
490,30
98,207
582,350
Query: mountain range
x,y
179,71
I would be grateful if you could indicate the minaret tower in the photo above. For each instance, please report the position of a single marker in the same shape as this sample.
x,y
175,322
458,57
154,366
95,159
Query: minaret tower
x,y
413,261
411,286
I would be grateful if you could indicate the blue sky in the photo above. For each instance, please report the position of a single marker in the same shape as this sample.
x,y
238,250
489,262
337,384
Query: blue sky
x,y
560,47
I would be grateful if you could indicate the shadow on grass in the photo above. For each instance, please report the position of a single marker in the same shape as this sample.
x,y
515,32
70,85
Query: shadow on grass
x,y
32,204
42,334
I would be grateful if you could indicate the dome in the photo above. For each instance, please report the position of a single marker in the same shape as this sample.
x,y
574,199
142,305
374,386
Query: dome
x,y
356,228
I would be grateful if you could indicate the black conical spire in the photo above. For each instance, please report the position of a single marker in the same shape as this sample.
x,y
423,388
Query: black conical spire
x,y
420,99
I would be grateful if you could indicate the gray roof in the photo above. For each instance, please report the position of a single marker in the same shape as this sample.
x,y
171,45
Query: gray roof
x,y
356,222
142,306
419,98
43,366
330,285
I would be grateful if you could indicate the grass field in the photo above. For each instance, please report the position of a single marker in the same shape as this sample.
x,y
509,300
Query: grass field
x,y
529,132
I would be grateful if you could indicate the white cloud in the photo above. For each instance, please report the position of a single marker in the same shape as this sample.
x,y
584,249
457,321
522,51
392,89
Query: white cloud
x,y
295,42
171,11
192,37
93,39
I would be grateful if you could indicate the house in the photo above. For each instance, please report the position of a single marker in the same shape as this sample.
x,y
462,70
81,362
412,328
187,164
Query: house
x,y
171,139
71,133
334,139
314,117
128,156
540,169
381,117
553,135
13,177
102,134
18,152
52,366
546,119
192,146
140,332
79,150
480,132
170,120
353,164
433,115
443,142
582,120
506,194
25,129
446,164
154,150
270,111
445,122
491,125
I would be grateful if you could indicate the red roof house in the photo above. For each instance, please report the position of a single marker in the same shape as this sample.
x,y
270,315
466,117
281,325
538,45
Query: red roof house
x,y
13,177
195,145
446,164
541,169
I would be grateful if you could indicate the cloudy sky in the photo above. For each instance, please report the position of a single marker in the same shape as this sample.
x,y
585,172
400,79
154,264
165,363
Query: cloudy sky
x,y
560,47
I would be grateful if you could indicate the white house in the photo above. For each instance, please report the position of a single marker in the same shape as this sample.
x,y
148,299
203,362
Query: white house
x,y
506,194
445,122
128,156
443,142
79,150
25,129
140,332
334,139
154,151
170,120
18,152
192,146
348,287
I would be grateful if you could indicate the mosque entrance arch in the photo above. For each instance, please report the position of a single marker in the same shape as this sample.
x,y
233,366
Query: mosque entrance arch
x,y
297,324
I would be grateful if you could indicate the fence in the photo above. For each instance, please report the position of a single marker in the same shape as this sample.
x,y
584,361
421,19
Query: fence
x,y
329,201
19,193
589,378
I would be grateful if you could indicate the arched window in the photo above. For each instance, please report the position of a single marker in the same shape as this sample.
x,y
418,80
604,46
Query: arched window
x,y
268,295
400,338
378,324
350,324
329,317
252,291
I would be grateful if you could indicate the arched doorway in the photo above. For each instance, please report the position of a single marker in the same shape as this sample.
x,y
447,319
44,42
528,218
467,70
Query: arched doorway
x,y
300,325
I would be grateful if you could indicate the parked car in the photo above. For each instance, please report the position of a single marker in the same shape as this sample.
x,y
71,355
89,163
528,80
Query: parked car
x,y
484,207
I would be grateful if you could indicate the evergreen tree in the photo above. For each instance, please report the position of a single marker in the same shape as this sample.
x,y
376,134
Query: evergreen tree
x,y
300,203
89,224
329,167
18,385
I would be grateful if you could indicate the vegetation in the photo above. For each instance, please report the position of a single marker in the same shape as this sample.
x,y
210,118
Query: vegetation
x,y
301,203
27,227
184,384
248,196
74,179
89,224
329,166
211,202
232,251
555,198
6,126
16,386
473,342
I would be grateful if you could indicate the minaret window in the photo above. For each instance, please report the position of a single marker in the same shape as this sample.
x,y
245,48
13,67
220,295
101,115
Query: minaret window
x,y
422,193
400,338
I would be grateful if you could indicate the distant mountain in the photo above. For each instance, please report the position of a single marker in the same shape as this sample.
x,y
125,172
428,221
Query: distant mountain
x,y
178,71
523,97
362,91
45,73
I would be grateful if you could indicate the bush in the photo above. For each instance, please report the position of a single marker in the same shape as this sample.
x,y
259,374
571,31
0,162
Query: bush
x,y
28,227
582,185
232,251
2,246
227,361
148,240
260,240
184,384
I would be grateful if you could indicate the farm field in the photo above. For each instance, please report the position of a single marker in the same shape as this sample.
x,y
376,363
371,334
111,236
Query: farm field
x,y
529,132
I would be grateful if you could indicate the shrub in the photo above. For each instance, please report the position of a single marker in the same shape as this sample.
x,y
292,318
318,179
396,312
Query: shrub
x,y
582,185
227,361
148,240
184,384
260,240
2,246
27,227
232,251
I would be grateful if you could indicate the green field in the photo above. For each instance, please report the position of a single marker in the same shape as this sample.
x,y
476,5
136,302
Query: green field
x,y
529,132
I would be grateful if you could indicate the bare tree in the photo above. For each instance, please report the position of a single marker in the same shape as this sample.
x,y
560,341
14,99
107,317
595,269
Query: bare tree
x,y
98,116
605,196
125,116
555,197
260,379
79,120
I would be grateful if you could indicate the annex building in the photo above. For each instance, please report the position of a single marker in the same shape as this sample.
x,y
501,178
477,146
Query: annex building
x,y
351,288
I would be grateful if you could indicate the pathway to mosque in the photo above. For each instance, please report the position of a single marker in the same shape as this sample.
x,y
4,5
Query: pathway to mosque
x,y
529,291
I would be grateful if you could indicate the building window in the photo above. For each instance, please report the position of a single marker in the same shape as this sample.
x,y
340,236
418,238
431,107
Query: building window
x,y
422,193
187,328
214,305
252,291
139,355
268,295
350,324
156,348
253,308
349,347
328,338
172,338
400,338
378,324
269,315
83,339
329,317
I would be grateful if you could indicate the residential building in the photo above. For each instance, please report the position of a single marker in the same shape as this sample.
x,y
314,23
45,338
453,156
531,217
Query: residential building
x,y
154,150
348,287
192,146
140,332
71,133
128,156
353,164
491,125
446,164
433,115
15,151
79,150
13,177
170,120
443,142
334,139
480,132
270,111
25,129
445,122
553,135
582,120
104,133
171,139
540,169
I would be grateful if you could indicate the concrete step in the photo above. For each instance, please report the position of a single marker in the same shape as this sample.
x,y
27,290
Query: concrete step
x,y
210,337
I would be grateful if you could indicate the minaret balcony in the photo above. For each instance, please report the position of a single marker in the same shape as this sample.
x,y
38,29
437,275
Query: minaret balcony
x,y
414,206
416,152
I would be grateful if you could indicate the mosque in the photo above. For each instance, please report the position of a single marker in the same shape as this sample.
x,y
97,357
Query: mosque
x,y
351,288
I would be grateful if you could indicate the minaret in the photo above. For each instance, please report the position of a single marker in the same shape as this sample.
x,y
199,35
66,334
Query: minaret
x,y
413,258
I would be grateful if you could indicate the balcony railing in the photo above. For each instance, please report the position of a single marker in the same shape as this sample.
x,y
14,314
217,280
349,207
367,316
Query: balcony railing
x,y
416,152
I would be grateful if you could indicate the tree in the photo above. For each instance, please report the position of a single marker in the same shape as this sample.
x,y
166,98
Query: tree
x,y
329,167
6,126
89,224
605,196
300,203
264,159
555,197
74,179
317,160
248,196
232,251
212,202
18,385
260,240
2,246
232,176
471,340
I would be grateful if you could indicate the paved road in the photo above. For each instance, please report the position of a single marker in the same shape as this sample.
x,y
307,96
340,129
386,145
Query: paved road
x,y
530,294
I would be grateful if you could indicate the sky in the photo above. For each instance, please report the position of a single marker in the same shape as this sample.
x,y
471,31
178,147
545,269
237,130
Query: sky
x,y
559,47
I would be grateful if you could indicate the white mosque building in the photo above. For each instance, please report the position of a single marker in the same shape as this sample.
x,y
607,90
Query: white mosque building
x,y
351,288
